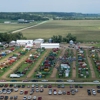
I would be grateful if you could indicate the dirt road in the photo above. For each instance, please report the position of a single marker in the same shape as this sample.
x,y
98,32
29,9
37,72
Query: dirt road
x,y
74,65
90,65
37,64
53,75
5,75
29,27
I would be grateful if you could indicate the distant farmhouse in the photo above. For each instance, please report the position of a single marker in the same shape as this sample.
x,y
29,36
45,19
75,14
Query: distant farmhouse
x,y
7,22
23,21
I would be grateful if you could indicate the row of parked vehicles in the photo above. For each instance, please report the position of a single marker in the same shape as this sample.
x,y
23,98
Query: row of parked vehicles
x,y
62,92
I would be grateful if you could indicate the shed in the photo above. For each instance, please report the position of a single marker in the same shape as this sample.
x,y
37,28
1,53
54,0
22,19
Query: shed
x,y
50,45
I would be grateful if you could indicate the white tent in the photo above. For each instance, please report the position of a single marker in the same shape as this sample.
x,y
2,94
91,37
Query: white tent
x,y
24,42
50,45
38,41
14,76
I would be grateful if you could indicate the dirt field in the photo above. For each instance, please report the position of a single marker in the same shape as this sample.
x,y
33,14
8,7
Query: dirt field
x,y
37,64
80,95
53,75
16,65
74,65
90,65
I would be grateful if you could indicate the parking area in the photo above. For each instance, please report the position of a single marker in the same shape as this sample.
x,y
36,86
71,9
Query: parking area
x,y
49,92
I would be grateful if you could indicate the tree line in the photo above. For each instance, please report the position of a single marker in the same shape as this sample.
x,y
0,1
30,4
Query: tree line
x,y
67,38
8,37
26,16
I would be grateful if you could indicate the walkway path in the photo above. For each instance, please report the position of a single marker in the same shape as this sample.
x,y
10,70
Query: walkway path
x,y
37,64
53,75
90,65
74,65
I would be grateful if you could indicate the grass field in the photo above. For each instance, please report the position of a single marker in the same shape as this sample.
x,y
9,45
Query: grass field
x,y
12,27
84,30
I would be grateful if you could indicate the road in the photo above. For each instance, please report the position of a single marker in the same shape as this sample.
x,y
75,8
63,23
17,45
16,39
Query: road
x,y
29,27
83,83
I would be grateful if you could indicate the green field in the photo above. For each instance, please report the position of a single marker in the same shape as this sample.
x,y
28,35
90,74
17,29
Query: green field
x,y
84,30
12,27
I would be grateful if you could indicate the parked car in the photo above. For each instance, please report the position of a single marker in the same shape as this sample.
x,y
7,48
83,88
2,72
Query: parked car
x,y
39,98
68,92
98,86
31,92
23,86
8,91
21,91
76,86
63,92
59,81
58,86
41,86
29,97
34,97
6,97
98,91
11,97
1,97
25,92
49,86
96,81
45,86
37,89
59,92
0,91
16,89
93,92
15,97
54,92
50,92
36,85
89,91
19,86
62,86
34,80
33,85
41,90
11,85
25,98
44,80
28,86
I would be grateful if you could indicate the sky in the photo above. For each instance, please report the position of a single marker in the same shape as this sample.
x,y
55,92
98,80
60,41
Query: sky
x,y
79,6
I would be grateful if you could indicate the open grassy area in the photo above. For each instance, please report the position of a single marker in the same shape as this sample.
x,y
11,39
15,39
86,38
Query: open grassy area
x,y
84,30
12,27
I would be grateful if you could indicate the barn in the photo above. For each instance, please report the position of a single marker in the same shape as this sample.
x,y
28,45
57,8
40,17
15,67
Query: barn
x,y
50,45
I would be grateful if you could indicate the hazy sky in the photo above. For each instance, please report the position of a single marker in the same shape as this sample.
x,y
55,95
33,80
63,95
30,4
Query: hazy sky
x,y
84,6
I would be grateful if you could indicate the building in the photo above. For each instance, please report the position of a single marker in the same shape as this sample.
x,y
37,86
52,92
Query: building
x,y
7,22
50,45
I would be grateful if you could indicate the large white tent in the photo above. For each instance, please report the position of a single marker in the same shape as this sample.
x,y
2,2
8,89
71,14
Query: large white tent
x,y
50,45
24,42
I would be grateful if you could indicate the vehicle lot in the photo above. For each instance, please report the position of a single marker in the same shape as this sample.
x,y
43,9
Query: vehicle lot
x,y
80,95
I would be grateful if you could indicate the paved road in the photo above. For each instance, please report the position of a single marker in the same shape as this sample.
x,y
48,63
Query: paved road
x,y
50,83
29,27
